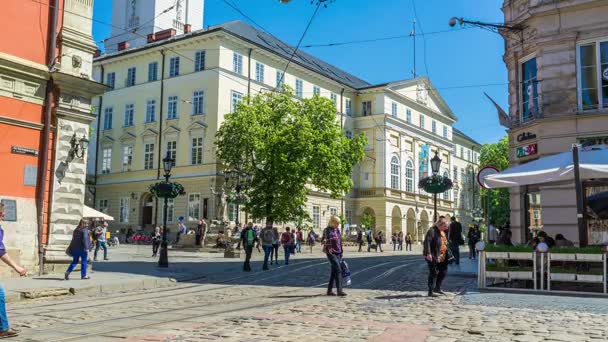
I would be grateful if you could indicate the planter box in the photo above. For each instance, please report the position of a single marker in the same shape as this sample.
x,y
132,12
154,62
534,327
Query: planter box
x,y
520,275
497,255
590,257
563,276
495,274
520,255
562,257
590,278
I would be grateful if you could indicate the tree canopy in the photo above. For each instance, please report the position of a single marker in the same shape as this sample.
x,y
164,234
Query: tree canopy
x,y
289,145
497,155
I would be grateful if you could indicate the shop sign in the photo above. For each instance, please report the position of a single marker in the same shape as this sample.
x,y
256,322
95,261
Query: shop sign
x,y
10,210
24,150
527,150
526,136
594,140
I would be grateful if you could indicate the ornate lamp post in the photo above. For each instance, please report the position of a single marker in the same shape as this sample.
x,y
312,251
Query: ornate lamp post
x,y
237,180
435,183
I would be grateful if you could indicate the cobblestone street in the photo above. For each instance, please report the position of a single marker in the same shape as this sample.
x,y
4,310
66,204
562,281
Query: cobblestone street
x,y
386,303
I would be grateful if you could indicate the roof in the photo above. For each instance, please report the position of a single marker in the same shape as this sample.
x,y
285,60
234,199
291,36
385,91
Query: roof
x,y
458,132
266,41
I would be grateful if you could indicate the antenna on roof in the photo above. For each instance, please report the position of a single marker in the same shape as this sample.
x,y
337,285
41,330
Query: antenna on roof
x,y
413,34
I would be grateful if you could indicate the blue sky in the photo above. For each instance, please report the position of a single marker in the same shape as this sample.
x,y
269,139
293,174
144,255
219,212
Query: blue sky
x,y
462,64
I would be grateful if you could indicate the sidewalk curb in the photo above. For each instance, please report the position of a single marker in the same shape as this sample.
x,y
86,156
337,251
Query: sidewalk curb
x,y
13,296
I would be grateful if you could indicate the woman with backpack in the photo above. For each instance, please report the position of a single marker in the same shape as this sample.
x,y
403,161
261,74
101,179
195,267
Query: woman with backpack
x,y
394,241
332,246
379,240
312,239
78,249
275,246
287,241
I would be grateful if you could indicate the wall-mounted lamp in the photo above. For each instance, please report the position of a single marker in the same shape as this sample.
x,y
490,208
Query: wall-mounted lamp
x,y
78,148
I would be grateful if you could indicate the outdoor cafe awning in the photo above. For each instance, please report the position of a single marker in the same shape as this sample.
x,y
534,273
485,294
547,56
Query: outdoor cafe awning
x,y
89,212
556,168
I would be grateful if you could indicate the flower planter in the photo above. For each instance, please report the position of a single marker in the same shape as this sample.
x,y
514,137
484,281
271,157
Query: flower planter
x,y
590,278
562,257
563,276
497,255
590,257
520,255
520,275
496,274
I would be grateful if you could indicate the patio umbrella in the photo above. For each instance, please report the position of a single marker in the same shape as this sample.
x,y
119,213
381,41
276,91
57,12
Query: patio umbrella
x,y
89,212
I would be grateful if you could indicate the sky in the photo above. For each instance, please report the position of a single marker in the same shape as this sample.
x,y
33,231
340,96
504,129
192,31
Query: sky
x,y
461,63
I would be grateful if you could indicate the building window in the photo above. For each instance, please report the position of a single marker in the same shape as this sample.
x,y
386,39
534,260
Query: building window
x,y
529,90
123,214
475,156
106,160
199,61
197,151
463,177
150,111
334,99
455,174
232,212
103,206
446,194
367,108
349,107
237,63
333,211
152,71
316,90
194,207
408,115
469,155
111,79
462,152
172,150
198,102
236,99
129,113
394,109
148,156
170,209
174,67
299,88
349,216
409,176
316,216
107,118
593,79
259,72
280,79
456,198
131,72
445,131
172,107
421,121
395,170
349,134
127,157
366,176
434,126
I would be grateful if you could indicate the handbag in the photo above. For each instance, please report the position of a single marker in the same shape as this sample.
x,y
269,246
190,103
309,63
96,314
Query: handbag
x,y
68,251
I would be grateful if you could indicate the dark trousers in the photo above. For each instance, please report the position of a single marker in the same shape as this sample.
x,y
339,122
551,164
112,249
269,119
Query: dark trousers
x,y
267,252
247,264
287,249
197,238
155,245
472,252
275,253
455,247
179,235
360,245
369,246
394,246
336,273
379,244
400,247
408,245
437,272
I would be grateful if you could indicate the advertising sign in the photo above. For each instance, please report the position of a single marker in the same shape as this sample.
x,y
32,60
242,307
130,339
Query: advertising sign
x,y
424,160
527,150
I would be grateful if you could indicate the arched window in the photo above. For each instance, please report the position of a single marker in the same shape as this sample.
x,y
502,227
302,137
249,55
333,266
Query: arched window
x,y
446,195
409,176
395,170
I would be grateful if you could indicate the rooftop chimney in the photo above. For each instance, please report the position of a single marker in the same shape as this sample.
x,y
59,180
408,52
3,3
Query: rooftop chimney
x,y
187,28
123,46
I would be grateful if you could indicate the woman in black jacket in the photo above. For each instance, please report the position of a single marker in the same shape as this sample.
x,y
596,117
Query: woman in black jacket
x,y
436,254
79,248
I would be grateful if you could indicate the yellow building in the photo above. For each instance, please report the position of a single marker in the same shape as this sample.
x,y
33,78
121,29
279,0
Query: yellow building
x,y
171,95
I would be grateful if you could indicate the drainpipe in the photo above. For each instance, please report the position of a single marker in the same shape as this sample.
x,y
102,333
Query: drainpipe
x,y
44,146
160,130
342,127
249,75
99,127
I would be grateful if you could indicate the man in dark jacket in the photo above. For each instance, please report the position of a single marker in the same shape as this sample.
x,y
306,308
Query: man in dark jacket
x,y
455,239
436,255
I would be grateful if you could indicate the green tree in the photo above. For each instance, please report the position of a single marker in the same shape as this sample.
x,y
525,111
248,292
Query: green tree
x,y
289,145
497,155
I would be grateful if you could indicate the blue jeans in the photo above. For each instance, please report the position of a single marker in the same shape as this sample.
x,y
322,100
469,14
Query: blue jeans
x,y
3,320
287,249
336,272
83,256
267,252
103,245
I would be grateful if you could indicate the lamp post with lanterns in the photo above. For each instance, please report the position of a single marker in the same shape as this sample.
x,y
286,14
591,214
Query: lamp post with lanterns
x,y
435,183
238,180
435,164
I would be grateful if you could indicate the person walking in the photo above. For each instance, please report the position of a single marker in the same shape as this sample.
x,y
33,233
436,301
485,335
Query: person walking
x,y
266,240
181,229
394,241
400,241
78,249
5,330
332,242
455,239
156,239
368,236
435,252
360,239
312,239
101,241
473,237
287,242
408,242
248,238
201,227
299,240
276,242
379,240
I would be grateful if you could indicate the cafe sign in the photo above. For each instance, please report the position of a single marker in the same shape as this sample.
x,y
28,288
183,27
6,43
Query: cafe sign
x,y
527,150
525,136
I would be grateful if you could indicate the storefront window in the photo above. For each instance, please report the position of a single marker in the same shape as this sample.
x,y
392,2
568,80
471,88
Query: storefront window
x,y
529,90
593,75
534,218
597,229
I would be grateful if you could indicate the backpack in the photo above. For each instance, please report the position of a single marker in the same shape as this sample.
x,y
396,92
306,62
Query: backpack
x,y
267,235
250,237
285,238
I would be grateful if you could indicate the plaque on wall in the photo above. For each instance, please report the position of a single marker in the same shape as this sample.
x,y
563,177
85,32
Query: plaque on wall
x,y
30,175
10,210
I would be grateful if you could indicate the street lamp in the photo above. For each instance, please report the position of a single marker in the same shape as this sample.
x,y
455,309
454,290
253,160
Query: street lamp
x,y
238,180
163,261
435,164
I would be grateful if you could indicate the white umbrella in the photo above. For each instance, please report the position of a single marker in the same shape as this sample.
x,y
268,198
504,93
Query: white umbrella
x,y
556,168
89,212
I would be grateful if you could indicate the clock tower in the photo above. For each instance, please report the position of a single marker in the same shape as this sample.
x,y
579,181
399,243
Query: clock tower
x,y
134,20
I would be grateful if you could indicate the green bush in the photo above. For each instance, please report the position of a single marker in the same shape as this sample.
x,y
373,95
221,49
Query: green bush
x,y
577,250
505,268
574,270
504,248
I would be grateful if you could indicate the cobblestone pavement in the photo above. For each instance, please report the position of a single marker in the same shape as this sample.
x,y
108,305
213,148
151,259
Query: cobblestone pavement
x,y
386,303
